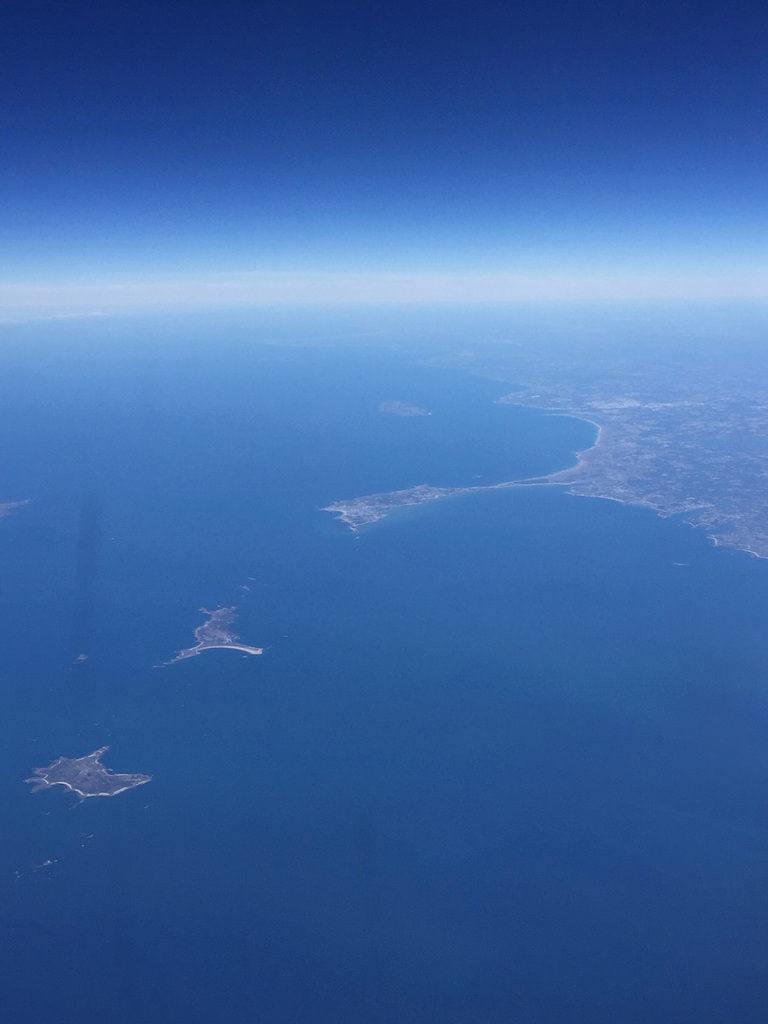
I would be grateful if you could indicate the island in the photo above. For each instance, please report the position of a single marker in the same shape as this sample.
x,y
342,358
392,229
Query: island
x,y
215,633
403,409
84,776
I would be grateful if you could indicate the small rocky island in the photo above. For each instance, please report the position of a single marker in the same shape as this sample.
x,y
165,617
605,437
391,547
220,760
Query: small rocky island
x,y
85,776
215,633
403,409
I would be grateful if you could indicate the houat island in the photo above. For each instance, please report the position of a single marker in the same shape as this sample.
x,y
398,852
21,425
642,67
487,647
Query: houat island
x,y
85,776
215,633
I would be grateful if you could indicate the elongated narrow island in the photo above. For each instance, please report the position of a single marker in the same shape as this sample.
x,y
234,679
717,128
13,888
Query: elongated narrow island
x,y
215,633
84,776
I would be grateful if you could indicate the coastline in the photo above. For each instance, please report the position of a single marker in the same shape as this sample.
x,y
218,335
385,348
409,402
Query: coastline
x,y
85,796
191,652
718,542
226,647
368,509
563,478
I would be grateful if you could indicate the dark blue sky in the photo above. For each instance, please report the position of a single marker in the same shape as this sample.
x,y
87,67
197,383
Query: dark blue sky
x,y
226,138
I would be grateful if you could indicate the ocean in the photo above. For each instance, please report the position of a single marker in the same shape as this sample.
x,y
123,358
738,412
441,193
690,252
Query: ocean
x,y
504,756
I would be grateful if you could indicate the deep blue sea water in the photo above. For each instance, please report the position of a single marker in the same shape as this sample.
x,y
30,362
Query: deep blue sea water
x,y
504,758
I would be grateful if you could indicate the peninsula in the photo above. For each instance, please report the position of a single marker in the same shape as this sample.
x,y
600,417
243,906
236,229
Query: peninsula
x,y
357,512
679,429
85,776
215,633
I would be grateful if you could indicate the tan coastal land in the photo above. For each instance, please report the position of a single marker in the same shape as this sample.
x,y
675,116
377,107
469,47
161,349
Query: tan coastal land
x,y
85,776
215,633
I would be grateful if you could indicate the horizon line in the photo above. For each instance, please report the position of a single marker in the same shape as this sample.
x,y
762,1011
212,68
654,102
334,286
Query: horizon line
x,y
196,291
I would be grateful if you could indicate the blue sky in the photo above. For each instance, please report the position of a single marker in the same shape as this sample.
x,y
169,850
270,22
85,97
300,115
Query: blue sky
x,y
381,150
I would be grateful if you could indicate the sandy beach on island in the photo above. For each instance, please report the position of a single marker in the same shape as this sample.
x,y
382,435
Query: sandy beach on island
x,y
226,647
